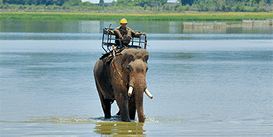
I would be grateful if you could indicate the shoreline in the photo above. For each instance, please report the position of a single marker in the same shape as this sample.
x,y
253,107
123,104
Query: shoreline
x,y
197,16
222,25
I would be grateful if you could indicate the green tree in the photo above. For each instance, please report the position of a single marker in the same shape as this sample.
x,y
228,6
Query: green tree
x,y
124,2
235,8
159,3
185,2
200,6
256,8
187,7
251,2
142,3
101,3
73,2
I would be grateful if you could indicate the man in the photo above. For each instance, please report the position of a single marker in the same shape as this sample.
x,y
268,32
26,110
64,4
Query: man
x,y
125,33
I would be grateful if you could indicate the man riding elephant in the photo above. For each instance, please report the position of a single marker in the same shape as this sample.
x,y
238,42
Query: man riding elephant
x,y
125,33
123,79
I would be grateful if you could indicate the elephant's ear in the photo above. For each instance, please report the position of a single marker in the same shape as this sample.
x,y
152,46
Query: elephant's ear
x,y
127,58
123,58
145,55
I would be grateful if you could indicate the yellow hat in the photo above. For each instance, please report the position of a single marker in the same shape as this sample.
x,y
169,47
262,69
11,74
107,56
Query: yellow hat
x,y
123,20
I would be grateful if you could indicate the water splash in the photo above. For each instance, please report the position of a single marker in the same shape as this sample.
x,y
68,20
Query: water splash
x,y
157,119
67,120
55,120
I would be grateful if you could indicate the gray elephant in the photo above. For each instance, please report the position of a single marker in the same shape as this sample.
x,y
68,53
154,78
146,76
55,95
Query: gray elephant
x,y
121,76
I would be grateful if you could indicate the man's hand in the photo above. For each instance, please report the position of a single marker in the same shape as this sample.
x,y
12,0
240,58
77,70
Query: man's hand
x,y
110,31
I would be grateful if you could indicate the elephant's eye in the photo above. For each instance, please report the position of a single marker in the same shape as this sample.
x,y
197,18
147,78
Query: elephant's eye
x,y
145,58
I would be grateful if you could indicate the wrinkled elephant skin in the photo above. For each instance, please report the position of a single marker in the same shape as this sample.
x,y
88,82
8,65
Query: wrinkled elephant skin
x,y
113,79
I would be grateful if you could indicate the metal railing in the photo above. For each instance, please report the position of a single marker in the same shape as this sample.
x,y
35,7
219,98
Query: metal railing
x,y
135,42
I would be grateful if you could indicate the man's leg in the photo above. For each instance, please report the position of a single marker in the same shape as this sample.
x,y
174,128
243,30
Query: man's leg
x,y
119,34
129,33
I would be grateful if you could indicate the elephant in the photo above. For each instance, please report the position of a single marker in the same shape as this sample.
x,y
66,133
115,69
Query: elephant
x,y
121,76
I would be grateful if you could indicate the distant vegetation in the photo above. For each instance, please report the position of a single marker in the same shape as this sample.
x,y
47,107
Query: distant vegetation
x,y
204,16
137,6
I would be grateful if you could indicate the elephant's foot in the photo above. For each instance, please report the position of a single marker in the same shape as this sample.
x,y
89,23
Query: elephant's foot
x,y
125,120
107,116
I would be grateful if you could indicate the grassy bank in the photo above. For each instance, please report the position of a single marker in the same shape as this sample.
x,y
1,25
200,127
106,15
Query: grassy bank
x,y
229,16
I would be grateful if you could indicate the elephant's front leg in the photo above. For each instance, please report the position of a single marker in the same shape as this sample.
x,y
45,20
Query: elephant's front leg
x,y
132,107
122,101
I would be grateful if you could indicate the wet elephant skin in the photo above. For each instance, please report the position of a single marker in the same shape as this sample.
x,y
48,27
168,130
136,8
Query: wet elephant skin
x,y
113,79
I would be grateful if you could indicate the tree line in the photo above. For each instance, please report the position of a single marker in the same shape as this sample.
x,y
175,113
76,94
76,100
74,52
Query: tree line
x,y
40,2
152,5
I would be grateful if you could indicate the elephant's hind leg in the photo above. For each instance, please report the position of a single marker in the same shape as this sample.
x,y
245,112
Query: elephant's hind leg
x,y
106,106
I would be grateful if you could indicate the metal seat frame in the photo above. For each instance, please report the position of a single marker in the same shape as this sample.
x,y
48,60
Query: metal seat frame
x,y
108,40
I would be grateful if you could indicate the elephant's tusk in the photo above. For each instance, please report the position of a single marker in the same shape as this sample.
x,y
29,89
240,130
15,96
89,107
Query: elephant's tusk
x,y
130,91
148,93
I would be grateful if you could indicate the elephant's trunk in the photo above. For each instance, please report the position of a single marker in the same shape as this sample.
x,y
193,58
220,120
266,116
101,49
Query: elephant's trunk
x,y
137,87
138,91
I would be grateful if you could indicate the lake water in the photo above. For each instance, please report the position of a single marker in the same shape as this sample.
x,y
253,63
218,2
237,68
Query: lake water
x,y
204,85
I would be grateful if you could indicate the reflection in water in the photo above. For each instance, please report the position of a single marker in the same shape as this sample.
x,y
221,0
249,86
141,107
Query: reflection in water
x,y
120,128
97,36
156,30
150,27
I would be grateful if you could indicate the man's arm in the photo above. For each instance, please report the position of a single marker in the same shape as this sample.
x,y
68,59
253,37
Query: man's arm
x,y
110,31
137,34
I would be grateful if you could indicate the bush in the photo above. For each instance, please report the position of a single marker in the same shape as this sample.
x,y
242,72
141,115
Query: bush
x,y
263,10
228,8
256,8
241,7
222,7
145,7
6,6
201,6
235,8
179,8
187,7
249,9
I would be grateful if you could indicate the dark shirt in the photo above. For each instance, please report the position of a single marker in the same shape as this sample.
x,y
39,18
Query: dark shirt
x,y
124,32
